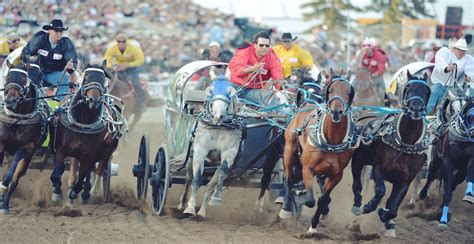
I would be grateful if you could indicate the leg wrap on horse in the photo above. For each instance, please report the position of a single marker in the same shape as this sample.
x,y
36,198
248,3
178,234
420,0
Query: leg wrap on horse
x,y
19,155
385,215
223,171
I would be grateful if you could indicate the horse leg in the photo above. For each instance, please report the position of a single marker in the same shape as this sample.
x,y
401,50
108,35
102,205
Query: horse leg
x,y
468,195
432,172
210,189
216,198
447,172
7,178
379,191
416,185
72,178
85,168
324,199
198,168
19,170
189,177
86,193
356,168
56,176
270,162
290,157
393,203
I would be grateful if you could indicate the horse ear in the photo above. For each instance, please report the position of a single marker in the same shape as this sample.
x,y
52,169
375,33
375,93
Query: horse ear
x,y
209,91
349,74
231,91
104,63
331,72
425,76
9,65
409,75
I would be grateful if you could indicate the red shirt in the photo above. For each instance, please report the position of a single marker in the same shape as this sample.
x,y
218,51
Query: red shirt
x,y
245,57
376,63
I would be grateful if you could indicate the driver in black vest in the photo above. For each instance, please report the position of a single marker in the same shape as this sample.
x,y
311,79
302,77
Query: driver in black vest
x,y
56,53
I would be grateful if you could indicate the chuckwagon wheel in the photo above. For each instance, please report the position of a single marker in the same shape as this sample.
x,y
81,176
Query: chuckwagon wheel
x,y
141,170
106,176
160,180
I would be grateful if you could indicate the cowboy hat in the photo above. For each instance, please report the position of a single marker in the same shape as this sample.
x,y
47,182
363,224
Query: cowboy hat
x,y
461,44
55,24
287,37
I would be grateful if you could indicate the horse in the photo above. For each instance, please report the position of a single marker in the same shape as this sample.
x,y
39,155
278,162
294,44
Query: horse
x,y
397,152
325,139
453,155
308,88
366,90
122,88
87,127
23,127
215,131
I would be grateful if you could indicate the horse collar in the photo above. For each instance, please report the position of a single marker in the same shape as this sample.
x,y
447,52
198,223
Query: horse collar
x,y
317,139
394,140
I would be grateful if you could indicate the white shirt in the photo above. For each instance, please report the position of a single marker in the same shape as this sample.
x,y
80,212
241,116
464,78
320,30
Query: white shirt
x,y
443,58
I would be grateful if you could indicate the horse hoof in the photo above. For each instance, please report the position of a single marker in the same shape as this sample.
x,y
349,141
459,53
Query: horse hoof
x,y
202,213
279,200
356,210
285,214
189,210
56,197
469,198
310,204
84,201
215,202
312,230
443,225
4,210
391,233
324,216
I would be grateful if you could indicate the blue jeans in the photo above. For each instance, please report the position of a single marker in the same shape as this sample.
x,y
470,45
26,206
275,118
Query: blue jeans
x,y
58,78
132,75
437,92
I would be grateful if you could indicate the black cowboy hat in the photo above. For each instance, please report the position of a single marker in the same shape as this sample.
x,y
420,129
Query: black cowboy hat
x,y
287,37
56,24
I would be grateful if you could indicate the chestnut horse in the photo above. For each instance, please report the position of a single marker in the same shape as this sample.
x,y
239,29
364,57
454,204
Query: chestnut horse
x,y
325,139
23,127
397,153
84,128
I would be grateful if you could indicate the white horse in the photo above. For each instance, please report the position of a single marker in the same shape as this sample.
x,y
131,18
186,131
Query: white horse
x,y
214,133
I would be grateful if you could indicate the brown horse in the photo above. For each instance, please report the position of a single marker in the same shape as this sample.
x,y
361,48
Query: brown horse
x,y
86,128
325,139
122,88
397,153
23,128
366,90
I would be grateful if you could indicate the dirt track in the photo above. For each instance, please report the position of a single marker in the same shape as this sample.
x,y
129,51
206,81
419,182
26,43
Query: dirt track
x,y
35,219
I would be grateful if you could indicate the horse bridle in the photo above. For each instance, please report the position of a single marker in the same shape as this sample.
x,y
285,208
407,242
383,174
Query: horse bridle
x,y
330,99
23,90
94,84
416,97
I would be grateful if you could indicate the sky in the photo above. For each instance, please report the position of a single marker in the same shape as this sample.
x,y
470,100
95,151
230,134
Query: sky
x,y
286,14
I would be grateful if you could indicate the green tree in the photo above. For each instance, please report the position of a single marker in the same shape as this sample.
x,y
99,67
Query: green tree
x,y
395,10
332,13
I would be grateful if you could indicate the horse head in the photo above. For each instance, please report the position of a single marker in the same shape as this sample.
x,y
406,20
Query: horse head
x,y
467,115
338,95
94,85
35,73
221,100
415,96
17,85
364,80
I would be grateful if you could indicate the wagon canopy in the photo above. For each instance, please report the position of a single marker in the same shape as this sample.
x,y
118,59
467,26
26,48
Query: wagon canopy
x,y
181,79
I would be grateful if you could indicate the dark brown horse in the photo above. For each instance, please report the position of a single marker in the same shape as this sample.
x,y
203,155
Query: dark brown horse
x,y
122,88
23,128
325,139
453,156
84,128
397,153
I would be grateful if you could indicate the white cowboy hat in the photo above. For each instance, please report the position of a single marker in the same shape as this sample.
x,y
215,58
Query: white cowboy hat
x,y
461,44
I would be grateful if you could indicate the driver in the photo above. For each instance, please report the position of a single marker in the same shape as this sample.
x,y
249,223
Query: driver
x,y
292,56
252,66
56,54
11,42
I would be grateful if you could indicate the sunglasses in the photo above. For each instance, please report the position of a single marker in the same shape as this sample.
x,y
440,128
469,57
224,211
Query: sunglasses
x,y
286,41
14,41
121,41
264,45
365,45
